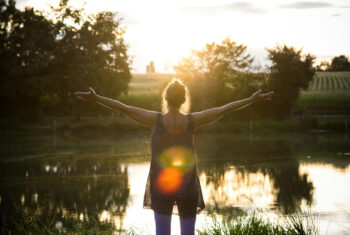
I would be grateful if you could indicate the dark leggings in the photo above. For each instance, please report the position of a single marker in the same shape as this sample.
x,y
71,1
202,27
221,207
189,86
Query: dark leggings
x,y
163,224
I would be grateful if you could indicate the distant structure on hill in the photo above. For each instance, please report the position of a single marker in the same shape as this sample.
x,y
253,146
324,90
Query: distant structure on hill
x,y
150,68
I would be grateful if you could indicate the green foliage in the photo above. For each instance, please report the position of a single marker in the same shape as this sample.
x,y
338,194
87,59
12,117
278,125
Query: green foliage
x,y
289,73
328,93
255,225
339,63
41,225
45,57
219,70
296,224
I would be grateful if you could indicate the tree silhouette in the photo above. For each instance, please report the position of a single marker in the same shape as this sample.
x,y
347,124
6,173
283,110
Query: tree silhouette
x,y
290,72
43,59
323,66
339,63
217,69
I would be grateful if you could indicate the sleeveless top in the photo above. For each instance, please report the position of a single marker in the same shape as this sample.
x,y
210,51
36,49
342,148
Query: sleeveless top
x,y
173,172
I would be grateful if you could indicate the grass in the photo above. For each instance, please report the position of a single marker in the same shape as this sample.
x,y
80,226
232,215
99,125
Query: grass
x,y
296,224
34,225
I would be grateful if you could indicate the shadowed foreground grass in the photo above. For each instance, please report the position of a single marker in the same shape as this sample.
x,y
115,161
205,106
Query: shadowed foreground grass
x,y
297,224
34,225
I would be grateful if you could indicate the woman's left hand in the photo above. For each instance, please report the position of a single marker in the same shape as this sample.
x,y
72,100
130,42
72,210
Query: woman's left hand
x,y
258,96
91,94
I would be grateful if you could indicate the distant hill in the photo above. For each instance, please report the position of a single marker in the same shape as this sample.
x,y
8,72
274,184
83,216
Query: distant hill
x,y
328,93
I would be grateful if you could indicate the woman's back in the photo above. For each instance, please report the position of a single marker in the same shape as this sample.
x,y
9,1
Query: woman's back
x,y
173,173
175,123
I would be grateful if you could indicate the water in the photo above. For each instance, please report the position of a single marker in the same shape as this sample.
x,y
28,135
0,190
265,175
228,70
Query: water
x,y
102,176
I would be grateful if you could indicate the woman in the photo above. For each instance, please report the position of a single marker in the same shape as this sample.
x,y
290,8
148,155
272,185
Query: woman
x,y
173,178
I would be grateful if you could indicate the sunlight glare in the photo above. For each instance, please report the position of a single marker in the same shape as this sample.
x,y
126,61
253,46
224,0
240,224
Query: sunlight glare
x,y
169,180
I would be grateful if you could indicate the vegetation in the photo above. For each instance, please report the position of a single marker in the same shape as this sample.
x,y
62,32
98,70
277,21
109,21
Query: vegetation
x,y
328,93
339,63
145,90
290,72
255,225
34,225
218,69
46,56
245,225
224,71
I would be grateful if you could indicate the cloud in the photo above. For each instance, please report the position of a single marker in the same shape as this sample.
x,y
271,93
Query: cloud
x,y
336,15
306,5
245,7
242,7
201,10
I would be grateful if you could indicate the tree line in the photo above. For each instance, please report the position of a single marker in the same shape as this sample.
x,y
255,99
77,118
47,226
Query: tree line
x,y
225,72
46,56
338,63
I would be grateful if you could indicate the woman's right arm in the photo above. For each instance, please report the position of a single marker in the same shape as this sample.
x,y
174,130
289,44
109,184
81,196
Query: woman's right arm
x,y
140,115
211,115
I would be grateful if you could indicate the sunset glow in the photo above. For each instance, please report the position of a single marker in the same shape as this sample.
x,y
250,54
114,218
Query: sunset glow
x,y
169,180
165,31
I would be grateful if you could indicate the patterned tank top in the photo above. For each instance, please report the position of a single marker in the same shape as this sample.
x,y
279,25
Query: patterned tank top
x,y
173,172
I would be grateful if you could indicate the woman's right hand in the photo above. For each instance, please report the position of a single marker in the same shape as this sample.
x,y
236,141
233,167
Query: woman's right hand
x,y
91,94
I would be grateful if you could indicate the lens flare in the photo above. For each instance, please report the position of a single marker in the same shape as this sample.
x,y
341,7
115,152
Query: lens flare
x,y
169,180
177,157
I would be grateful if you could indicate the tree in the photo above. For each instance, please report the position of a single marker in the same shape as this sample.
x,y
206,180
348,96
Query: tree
x,y
46,57
323,66
26,42
339,63
150,68
214,73
290,71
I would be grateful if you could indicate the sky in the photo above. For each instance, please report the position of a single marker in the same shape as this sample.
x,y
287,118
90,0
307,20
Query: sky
x,y
164,31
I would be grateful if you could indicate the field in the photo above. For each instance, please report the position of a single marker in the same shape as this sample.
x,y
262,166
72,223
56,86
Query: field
x,y
329,82
328,93
148,83
145,90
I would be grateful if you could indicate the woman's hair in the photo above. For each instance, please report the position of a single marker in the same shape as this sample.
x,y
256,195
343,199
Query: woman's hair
x,y
176,94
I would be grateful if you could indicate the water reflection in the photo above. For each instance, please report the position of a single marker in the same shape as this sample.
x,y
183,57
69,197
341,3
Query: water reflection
x,y
88,178
269,167
265,186
68,190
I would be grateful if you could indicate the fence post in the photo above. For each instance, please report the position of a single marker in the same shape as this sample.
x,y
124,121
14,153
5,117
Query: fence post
x,y
54,125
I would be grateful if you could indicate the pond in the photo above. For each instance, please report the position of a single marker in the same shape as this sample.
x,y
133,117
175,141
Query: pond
x,y
98,175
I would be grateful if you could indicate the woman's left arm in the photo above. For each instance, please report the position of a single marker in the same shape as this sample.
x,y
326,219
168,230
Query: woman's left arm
x,y
143,116
211,115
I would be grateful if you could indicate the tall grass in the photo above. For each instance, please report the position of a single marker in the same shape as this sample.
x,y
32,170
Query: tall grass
x,y
296,224
36,225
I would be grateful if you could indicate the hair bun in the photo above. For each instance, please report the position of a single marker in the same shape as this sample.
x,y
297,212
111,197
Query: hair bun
x,y
176,94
